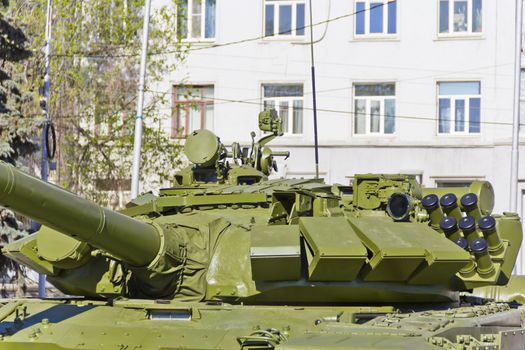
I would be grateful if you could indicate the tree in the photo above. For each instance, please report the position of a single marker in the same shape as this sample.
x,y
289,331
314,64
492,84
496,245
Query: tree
x,y
17,130
96,46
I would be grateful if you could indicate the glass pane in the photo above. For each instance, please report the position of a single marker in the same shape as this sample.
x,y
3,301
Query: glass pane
x,y
444,115
360,116
182,93
196,7
208,116
207,92
181,120
390,116
360,18
268,104
475,115
460,16
283,113
385,89
269,20
441,184
299,21
282,90
189,93
375,111
376,17
297,116
194,120
285,19
463,88
459,124
196,16
182,19
392,17
477,17
443,16
209,26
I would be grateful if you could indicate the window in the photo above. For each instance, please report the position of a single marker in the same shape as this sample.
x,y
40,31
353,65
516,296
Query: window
x,y
287,99
196,19
192,109
375,108
284,18
375,18
522,102
459,107
460,17
453,183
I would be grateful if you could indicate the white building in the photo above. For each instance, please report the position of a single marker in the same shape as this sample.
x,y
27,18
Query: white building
x,y
422,87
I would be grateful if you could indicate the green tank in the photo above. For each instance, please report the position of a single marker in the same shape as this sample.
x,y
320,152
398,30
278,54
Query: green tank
x,y
228,259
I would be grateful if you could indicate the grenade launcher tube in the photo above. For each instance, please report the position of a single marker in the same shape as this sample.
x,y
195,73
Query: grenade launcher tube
x,y
127,239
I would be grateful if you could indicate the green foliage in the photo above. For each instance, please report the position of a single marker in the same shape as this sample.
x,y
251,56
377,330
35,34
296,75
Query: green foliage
x,y
18,126
93,95
17,130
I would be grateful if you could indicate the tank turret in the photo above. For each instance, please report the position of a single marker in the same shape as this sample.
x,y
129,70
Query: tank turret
x,y
226,232
227,258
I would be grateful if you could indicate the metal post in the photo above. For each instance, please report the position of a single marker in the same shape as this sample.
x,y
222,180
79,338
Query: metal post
x,y
44,166
316,143
514,162
139,119
514,168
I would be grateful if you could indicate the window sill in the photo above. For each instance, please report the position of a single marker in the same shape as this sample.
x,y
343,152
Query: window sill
x,y
290,39
469,36
198,41
458,135
375,38
374,136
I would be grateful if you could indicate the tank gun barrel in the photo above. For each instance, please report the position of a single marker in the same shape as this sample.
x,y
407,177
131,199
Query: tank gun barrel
x,y
127,239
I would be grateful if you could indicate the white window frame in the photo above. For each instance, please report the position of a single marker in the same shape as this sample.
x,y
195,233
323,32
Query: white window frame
x,y
470,17
453,99
290,100
367,33
382,114
276,15
189,23
436,180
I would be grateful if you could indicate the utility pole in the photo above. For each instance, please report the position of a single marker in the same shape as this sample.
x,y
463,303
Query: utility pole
x,y
514,168
44,166
514,161
139,119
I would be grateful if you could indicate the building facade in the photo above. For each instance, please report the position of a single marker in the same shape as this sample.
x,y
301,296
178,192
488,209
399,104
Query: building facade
x,y
407,86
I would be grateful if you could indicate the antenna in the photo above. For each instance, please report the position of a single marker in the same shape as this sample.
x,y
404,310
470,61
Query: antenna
x,y
316,143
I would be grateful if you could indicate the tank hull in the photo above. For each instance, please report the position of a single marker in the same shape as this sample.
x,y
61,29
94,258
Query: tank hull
x,y
148,324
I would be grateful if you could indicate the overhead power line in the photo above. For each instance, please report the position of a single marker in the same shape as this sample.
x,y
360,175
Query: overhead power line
x,y
212,46
336,111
